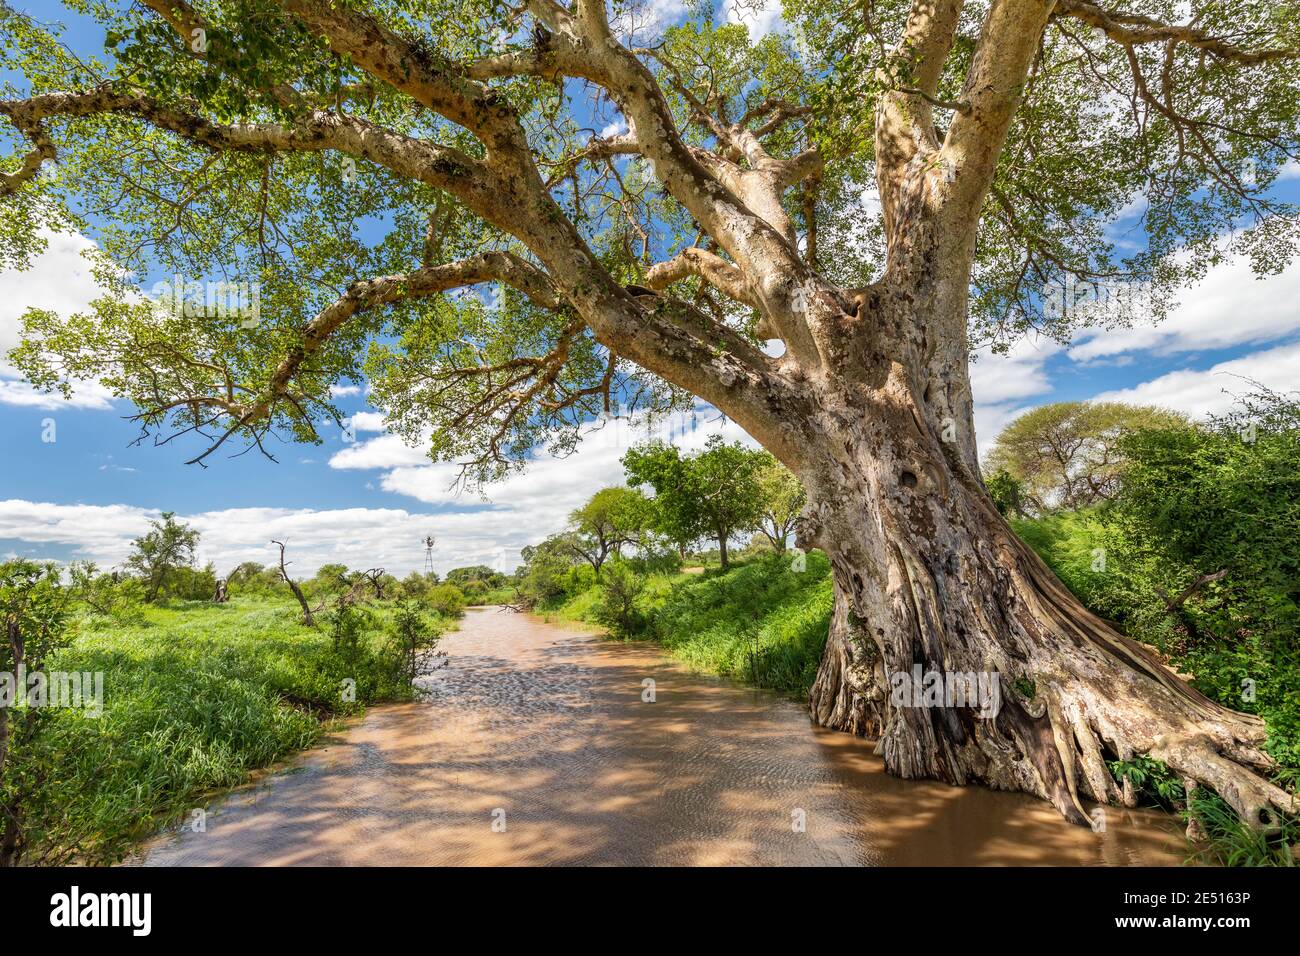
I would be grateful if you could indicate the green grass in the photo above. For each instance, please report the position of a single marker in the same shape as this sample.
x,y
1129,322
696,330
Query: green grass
x,y
196,696
759,621
502,595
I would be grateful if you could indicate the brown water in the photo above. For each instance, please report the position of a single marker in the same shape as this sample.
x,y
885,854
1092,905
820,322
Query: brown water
x,y
546,726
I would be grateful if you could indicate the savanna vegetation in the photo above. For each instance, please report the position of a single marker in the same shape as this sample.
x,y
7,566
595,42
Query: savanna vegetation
x,y
185,689
1181,533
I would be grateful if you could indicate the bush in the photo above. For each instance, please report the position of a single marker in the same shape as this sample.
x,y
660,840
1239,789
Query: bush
x,y
191,584
446,599
415,585
414,640
1197,557
114,596
762,621
620,588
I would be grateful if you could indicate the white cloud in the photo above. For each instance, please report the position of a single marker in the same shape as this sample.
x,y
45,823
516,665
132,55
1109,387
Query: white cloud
x,y
759,17
86,395
367,422
540,497
616,128
1229,307
1017,374
1211,391
386,451
102,532
1002,384
60,281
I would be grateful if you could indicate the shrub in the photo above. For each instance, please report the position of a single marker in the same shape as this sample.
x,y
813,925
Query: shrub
x,y
413,640
620,589
113,596
446,599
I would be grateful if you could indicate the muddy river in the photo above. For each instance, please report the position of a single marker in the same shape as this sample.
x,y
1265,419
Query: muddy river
x,y
538,745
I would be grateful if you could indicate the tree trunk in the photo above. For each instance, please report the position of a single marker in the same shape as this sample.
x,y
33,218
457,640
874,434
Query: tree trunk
x,y
307,617
928,575
302,602
722,551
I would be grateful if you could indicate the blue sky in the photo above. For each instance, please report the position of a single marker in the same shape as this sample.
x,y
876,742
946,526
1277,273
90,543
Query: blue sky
x,y
371,501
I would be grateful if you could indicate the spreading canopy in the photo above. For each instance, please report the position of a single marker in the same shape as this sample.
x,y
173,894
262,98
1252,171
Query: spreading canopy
x,y
1068,454
647,205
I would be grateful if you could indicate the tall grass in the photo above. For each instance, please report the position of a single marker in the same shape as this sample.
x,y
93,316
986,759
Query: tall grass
x,y
760,621
196,696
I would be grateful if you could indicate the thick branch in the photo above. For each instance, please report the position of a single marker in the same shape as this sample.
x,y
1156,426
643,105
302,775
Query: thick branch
x,y
414,71
432,163
713,269
1131,29
1010,40
904,122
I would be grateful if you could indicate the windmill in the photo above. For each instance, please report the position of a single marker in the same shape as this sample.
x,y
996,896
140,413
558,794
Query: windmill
x,y
428,555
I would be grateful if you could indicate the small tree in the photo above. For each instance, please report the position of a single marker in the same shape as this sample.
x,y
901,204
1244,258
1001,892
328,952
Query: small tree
x,y
295,588
416,585
446,599
619,591
611,518
330,576
347,627
546,570
246,573
782,497
166,548
415,640
716,492
377,579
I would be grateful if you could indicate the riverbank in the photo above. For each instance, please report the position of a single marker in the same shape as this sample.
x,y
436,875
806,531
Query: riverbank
x,y
197,697
762,621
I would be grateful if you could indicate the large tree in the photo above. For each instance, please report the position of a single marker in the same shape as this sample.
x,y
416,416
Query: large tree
x,y
360,160
1067,454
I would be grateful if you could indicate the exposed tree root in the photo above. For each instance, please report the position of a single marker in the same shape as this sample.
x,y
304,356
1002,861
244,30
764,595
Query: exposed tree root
x,y
991,605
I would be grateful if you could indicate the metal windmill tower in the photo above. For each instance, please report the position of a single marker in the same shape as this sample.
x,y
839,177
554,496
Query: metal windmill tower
x,y
428,555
